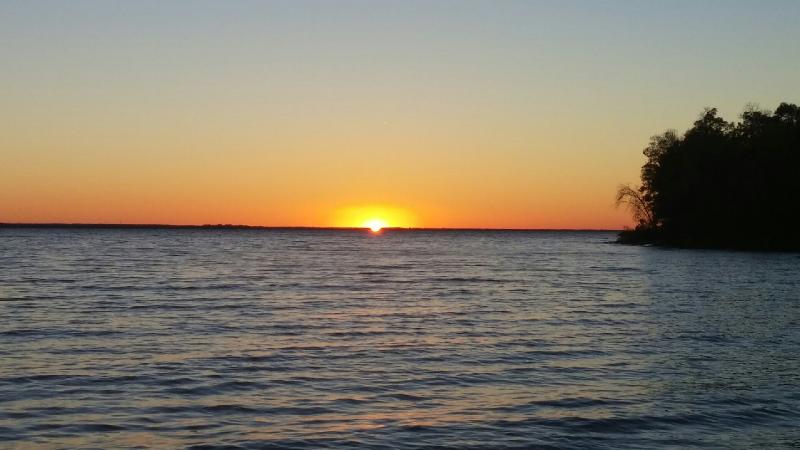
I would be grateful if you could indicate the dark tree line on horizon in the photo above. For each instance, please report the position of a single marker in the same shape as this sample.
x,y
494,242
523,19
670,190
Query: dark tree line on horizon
x,y
721,184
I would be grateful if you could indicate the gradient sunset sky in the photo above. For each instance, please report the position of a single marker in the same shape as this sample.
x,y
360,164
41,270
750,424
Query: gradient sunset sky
x,y
510,114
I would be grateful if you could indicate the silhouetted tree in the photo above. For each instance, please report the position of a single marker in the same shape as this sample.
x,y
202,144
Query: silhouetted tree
x,y
634,199
722,184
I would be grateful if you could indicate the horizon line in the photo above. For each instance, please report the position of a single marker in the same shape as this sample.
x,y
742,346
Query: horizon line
x,y
225,226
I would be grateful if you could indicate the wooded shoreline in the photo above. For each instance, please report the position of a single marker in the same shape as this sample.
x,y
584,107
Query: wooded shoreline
x,y
733,185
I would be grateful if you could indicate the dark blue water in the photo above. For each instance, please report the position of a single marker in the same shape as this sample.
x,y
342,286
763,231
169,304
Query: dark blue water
x,y
342,339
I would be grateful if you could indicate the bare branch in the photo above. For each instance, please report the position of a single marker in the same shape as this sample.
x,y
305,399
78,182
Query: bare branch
x,y
634,201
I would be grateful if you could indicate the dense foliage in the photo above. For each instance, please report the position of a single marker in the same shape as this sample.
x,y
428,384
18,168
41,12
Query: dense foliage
x,y
721,184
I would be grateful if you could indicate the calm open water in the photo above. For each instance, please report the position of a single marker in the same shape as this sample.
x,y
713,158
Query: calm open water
x,y
438,339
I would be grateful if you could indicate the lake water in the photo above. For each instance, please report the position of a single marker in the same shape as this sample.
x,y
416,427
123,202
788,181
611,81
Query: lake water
x,y
408,339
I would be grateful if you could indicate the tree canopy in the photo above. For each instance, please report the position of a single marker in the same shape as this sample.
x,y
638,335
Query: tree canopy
x,y
721,184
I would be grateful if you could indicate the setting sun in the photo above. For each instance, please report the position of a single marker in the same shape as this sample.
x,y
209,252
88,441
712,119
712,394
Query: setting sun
x,y
375,225
374,217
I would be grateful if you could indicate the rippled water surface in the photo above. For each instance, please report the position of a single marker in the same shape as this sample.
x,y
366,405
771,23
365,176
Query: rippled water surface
x,y
409,339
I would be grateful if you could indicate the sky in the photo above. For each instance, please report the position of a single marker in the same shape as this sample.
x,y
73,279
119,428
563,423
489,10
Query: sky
x,y
485,114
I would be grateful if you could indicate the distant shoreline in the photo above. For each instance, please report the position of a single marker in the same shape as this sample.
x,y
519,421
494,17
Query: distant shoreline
x,y
134,226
